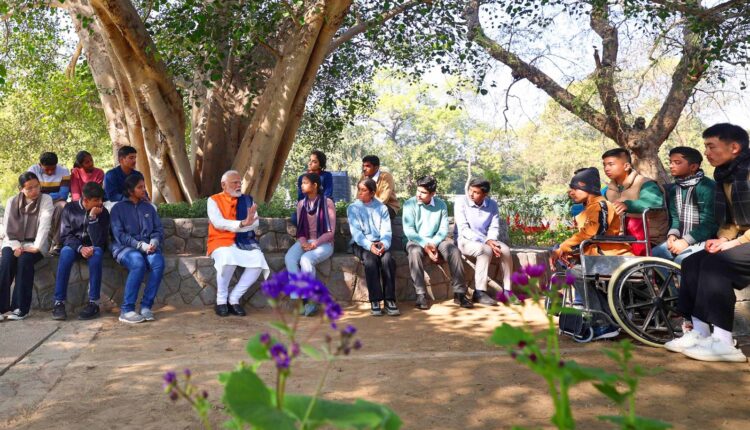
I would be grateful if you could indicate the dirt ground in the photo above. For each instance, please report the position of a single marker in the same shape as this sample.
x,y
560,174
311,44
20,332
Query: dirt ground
x,y
434,368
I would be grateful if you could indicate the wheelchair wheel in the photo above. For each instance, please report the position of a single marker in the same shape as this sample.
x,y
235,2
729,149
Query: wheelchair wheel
x,y
642,296
585,337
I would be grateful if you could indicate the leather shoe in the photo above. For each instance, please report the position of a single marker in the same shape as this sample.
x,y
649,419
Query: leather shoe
x,y
421,302
463,301
375,309
237,310
483,298
222,310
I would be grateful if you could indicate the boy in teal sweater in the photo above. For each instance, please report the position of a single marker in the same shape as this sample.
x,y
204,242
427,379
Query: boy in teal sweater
x,y
425,220
691,206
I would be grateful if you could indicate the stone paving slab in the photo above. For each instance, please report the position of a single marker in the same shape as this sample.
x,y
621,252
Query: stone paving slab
x,y
38,351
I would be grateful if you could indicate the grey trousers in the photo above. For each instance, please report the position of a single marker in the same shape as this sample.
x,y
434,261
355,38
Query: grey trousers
x,y
450,253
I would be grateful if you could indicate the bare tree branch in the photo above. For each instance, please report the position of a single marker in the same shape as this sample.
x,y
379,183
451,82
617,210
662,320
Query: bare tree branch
x,y
70,71
605,66
523,70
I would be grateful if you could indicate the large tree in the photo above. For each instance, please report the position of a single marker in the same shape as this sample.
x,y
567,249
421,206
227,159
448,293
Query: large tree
x,y
701,38
247,67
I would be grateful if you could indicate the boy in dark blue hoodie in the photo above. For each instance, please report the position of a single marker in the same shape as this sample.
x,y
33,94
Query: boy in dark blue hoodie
x,y
84,231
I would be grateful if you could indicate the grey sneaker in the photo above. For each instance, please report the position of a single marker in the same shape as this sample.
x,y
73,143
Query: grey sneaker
x,y
131,317
147,314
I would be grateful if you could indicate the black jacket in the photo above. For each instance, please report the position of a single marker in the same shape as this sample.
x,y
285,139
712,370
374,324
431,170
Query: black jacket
x,y
77,229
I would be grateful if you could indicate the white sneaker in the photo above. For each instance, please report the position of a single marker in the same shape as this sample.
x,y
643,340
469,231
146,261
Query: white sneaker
x,y
715,351
16,315
147,314
131,317
688,340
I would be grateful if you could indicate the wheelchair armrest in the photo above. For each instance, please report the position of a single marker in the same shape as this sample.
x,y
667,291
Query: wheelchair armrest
x,y
603,238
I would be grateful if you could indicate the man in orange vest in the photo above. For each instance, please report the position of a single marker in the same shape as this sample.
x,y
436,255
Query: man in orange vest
x,y
232,243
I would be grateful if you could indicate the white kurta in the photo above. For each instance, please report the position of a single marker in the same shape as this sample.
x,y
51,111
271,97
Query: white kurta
x,y
231,255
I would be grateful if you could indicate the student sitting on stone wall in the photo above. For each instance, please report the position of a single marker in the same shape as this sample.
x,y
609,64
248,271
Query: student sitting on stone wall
x,y
425,219
385,190
84,234
82,173
55,181
138,235
27,222
691,206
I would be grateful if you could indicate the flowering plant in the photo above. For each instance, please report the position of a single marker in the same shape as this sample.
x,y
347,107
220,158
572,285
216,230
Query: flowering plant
x,y
249,400
540,352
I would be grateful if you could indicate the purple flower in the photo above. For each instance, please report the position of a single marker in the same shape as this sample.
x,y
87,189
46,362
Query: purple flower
x,y
295,349
265,339
170,378
503,297
535,270
333,311
546,287
174,395
357,344
349,330
519,278
204,394
187,373
513,355
561,364
521,344
532,357
274,286
570,278
556,280
520,296
281,356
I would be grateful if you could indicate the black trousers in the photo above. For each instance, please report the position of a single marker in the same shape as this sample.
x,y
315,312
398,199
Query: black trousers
x,y
708,284
377,268
20,269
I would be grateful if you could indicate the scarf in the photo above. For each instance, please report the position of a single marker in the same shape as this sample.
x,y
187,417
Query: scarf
x,y
735,173
245,240
687,207
320,209
23,221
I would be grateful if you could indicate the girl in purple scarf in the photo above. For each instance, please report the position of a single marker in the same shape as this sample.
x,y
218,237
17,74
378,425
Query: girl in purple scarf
x,y
316,222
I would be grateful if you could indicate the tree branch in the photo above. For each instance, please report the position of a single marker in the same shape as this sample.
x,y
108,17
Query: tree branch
x,y
522,70
70,71
361,27
686,76
605,67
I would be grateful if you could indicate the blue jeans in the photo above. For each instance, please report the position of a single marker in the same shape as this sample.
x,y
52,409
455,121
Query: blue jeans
x,y
663,252
68,257
297,259
137,262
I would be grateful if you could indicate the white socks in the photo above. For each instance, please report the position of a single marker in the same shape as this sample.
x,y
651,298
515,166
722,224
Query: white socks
x,y
721,335
700,327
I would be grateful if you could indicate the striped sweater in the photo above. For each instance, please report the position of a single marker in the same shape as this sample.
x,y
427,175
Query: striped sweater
x,y
57,185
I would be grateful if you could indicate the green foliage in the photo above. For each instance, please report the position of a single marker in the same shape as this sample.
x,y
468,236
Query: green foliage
x,y
540,352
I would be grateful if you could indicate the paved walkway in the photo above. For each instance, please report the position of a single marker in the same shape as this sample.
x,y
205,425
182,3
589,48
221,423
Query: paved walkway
x,y
433,368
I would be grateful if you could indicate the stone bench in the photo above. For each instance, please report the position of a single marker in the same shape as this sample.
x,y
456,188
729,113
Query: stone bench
x,y
191,280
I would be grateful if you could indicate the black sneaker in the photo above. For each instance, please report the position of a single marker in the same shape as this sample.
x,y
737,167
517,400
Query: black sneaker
x,y
58,312
375,309
483,298
463,301
89,312
421,302
391,308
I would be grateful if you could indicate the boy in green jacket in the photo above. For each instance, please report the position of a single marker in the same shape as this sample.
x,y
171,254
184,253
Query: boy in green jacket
x,y
691,206
425,220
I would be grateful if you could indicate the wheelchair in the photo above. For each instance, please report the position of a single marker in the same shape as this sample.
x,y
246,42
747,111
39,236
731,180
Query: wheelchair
x,y
641,294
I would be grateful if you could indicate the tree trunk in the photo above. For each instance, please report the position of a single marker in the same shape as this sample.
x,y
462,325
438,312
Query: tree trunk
x,y
269,137
152,106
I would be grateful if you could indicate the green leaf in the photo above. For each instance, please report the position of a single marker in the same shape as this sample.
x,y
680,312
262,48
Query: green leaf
x,y
638,423
358,415
578,373
312,352
257,350
611,392
508,335
280,326
249,400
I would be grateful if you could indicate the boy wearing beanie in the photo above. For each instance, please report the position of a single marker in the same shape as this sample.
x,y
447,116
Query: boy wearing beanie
x,y
598,217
